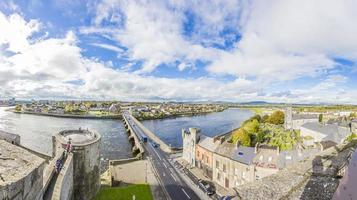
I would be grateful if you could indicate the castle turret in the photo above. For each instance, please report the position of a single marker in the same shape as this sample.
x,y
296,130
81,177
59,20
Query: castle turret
x,y
288,118
190,138
86,160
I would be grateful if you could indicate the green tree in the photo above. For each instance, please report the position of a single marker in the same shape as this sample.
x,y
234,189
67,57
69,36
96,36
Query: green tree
x,y
242,136
264,119
251,126
18,108
320,117
276,118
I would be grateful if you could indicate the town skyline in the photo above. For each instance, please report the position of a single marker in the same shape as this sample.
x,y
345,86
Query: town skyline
x,y
182,51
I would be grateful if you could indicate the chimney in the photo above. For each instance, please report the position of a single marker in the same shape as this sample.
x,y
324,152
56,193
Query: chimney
x,y
299,149
221,140
256,148
237,144
277,151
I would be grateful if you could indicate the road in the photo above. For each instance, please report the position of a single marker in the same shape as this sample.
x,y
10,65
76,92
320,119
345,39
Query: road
x,y
176,188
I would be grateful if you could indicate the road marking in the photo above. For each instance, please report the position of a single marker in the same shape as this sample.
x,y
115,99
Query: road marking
x,y
156,153
164,164
185,193
173,177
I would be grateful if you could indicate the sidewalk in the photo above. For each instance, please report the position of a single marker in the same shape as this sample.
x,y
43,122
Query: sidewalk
x,y
187,179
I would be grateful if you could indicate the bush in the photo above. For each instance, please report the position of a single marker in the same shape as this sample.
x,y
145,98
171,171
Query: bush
x,y
276,118
351,137
242,136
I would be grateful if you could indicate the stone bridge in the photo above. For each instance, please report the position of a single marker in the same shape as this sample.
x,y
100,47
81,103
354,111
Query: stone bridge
x,y
137,149
166,148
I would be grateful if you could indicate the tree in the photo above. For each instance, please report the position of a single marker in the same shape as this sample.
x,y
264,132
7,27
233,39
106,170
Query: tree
x,y
18,108
257,117
242,136
320,117
251,126
264,119
276,118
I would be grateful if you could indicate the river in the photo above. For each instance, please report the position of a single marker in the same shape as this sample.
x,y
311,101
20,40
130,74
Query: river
x,y
169,130
36,131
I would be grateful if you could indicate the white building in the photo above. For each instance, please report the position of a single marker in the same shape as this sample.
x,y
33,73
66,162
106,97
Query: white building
x,y
295,121
320,132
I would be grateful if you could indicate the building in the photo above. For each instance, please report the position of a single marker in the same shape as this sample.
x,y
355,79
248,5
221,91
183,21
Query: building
x,y
86,160
233,165
190,138
205,148
324,132
230,165
295,121
21,173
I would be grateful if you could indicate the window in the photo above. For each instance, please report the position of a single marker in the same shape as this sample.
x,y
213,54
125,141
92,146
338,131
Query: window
x,y
217,164
261,158
224,167
198,154
240,153
218,176
243,174
270,158
236,171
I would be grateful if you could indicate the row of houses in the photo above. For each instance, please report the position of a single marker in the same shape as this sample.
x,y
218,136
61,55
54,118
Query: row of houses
x,y
230,165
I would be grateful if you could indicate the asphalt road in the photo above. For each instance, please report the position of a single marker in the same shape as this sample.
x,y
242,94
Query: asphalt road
x,y
174,185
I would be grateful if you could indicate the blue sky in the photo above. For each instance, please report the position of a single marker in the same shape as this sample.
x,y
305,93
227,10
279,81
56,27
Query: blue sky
x,y
227,50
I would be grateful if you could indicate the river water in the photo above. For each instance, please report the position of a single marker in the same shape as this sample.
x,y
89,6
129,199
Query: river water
x,y
36,131
169,130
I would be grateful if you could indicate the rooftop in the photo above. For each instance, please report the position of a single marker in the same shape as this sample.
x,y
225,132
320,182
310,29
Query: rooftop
x,y
305,116
239,153
207,143
78,137
16,162
333,132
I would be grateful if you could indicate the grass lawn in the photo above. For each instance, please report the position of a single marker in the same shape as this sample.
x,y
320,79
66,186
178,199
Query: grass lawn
x,y
141,192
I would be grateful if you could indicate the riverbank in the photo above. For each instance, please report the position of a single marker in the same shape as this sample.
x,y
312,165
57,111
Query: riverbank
x,y
71,115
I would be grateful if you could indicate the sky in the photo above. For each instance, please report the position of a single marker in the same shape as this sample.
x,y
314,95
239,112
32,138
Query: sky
x,y
291,51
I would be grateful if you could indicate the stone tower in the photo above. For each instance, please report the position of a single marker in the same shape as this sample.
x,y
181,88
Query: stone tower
x,y
190,138
86,160
288,120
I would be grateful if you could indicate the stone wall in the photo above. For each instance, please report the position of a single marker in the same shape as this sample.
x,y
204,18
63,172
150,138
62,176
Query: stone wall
x,y
10,137
27,188
64,191
86,167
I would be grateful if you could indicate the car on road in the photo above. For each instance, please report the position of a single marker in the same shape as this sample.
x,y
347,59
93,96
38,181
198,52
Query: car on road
x,y
154,144
207,187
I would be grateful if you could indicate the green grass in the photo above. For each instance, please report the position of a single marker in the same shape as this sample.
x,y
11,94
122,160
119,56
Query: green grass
x,y
141,192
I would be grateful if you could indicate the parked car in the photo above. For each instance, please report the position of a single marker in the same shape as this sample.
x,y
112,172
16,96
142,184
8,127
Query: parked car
x,y
207,187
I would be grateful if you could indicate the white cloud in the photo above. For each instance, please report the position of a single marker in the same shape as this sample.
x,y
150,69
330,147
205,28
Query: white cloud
x,y
287,39
152,33
272,48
